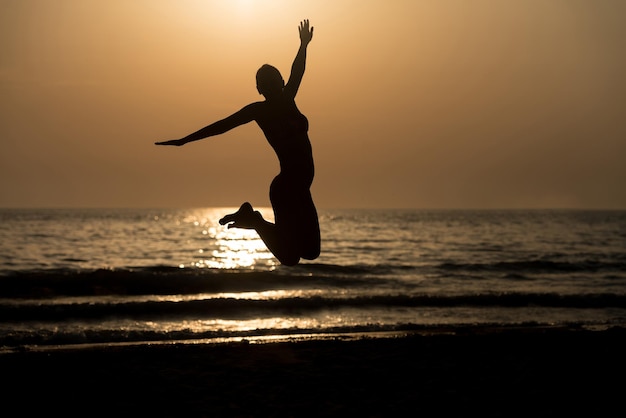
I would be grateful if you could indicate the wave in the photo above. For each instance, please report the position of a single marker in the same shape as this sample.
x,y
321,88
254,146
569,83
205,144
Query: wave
x,y
536,266
18,341
235,308
159,280
158,303
386,277
50,340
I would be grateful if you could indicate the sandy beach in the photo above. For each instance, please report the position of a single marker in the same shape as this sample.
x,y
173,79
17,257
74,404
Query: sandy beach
x,y
521,371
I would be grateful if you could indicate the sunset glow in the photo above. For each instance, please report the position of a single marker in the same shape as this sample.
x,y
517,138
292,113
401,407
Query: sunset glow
x,y
432,104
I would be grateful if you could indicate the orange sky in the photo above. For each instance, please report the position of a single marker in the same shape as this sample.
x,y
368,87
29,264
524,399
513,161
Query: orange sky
x,y
426,104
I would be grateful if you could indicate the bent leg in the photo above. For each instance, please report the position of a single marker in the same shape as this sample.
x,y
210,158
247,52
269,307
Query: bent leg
x,y
295,233
276,241
295,218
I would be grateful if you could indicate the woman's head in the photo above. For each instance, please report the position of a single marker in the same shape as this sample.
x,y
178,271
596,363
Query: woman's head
x,y
269,81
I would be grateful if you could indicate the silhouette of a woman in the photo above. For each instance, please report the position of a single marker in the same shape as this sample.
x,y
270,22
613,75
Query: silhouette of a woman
x,y
295,233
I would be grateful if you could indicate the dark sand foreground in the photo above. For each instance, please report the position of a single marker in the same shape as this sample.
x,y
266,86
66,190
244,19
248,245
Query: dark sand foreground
x,y
475,372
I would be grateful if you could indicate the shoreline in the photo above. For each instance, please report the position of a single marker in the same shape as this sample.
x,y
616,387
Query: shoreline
x,y
295,337
491,371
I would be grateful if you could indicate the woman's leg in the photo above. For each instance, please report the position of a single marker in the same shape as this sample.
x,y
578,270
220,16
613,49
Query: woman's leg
x,y
295,233
295,217
309,228
278,240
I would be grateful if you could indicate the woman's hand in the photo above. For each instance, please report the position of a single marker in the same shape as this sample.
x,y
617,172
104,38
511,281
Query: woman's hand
x,y
175,142
306,34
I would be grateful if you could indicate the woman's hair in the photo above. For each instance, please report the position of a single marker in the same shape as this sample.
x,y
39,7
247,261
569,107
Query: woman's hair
x,y
268,79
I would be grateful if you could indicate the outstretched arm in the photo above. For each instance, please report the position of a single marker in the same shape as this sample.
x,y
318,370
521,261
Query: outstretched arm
x,y
241,117
299,63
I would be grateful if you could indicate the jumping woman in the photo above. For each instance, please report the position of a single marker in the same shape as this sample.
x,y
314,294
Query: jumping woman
x,y
295,233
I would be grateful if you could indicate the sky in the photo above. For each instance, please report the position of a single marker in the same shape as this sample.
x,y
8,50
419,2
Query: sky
x,y
478,104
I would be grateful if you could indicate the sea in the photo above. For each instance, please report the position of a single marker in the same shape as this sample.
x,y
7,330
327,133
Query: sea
x,y
83,277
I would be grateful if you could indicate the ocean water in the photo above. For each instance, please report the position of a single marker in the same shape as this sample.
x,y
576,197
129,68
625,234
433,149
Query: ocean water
x,y
88,276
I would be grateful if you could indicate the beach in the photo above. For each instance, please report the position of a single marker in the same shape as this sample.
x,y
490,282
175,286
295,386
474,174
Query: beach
x,y
486,371
164,313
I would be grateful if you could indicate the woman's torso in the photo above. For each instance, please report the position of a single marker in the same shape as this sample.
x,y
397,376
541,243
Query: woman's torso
x,y
286,129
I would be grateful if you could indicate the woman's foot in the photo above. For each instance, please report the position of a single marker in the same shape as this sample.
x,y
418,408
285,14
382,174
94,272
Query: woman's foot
x,y
245,217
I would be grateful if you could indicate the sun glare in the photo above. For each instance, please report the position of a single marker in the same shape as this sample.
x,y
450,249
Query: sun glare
x,y
232,8
239,248
229,12
243,6
224,248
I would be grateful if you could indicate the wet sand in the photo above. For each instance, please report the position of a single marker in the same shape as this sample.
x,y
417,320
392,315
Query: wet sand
x,y
474,371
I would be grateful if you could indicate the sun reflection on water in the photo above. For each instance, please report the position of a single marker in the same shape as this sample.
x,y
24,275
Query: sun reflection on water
x,y
262,295
224,248
284,323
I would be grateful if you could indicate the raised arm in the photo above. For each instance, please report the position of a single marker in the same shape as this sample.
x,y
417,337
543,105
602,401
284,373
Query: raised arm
x,y
299,63
241,117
